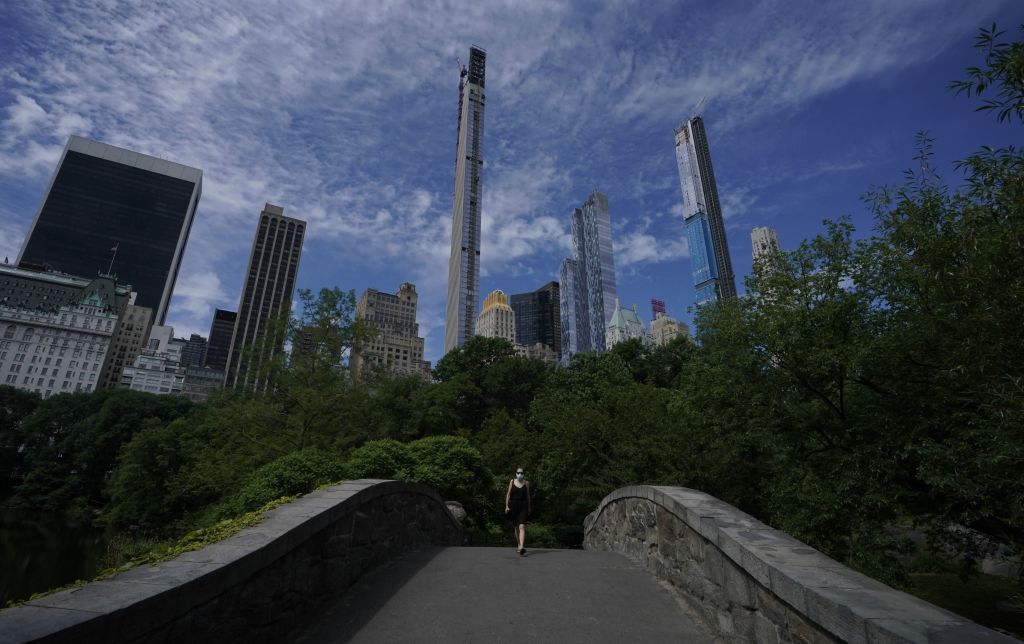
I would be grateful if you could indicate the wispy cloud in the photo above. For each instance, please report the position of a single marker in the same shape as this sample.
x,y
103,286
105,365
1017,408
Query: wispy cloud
x,y
344,113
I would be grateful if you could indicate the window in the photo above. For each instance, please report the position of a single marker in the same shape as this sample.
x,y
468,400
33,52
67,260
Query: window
x,y
27,336
9,332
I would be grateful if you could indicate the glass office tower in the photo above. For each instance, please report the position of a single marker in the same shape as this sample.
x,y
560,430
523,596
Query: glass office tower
x,y
568,310
588,289
538,317
102,197
592,247
464,261
219,344
705,230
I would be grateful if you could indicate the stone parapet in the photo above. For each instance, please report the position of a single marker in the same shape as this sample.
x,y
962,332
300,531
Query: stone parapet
x,y
750,583
260,585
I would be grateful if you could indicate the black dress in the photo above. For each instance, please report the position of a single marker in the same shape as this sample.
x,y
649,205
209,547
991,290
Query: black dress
x,y
518,506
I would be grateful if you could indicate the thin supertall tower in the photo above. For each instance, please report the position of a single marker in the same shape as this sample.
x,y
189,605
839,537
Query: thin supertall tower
x,y
464,262
266,295
705,230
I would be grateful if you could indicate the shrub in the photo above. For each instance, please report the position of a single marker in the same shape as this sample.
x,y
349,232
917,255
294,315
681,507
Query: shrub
x,y
296,473
382,459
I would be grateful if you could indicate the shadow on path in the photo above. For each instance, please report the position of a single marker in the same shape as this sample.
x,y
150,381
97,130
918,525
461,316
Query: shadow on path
x,y
496,595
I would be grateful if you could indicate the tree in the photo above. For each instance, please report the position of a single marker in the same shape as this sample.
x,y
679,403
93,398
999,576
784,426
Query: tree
x,y
1003,72
15,406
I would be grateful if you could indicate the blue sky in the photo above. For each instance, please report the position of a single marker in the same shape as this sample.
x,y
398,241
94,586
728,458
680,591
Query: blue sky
x,y
344,113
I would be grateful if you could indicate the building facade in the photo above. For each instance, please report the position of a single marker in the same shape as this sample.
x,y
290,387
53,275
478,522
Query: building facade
x,y
538,351
538,317
763,241
497,319
665,329
593,294
129,340
157,369
702,213
56,330
397,345
219,344
111,210
200,382
266,295
625,324
568,311
193,354
464,261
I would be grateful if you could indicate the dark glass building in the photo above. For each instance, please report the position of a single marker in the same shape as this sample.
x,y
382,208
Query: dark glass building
x,y
102,197
266,294
219,344
538,318
194,351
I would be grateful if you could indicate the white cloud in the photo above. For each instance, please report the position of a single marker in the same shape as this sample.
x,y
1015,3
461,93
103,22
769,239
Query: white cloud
x,y
344,113
645,248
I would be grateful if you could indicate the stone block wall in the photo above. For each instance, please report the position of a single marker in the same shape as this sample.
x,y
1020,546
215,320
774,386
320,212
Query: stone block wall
x,y
260,585
750,583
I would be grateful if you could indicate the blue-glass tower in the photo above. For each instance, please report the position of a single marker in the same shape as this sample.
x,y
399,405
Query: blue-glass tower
x,y
588,287
705,230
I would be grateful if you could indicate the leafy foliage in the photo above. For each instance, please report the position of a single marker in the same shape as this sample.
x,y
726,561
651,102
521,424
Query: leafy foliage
x,y
1003,72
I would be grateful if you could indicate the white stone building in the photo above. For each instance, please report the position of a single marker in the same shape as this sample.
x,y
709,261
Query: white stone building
x,y
625,325
157,369
56,329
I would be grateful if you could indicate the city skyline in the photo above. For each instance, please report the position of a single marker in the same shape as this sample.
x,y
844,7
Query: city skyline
x,y
795,140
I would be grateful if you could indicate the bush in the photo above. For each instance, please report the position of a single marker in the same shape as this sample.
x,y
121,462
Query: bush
x,y
296,473
383,459
449,464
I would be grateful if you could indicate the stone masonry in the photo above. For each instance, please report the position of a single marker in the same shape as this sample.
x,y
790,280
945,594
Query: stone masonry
x,y
750,583
261,585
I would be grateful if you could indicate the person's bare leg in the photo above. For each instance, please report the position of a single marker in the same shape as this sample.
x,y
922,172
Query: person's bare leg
x,y
522,536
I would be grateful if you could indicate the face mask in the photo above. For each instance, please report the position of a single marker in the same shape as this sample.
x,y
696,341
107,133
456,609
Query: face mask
x,y
519,475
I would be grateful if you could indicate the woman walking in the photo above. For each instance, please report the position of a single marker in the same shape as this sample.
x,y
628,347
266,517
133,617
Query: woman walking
x,y
517,507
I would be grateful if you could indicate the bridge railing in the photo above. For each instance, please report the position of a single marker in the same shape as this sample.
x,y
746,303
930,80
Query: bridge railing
x,y
260,585
748,582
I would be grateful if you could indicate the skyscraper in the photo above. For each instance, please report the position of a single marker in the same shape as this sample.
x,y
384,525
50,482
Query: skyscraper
x,y
193,352
592,299
397,346
497,320
464,261
219,344
568,310
705,230
538,317
130,338
764,241
103,198
266,293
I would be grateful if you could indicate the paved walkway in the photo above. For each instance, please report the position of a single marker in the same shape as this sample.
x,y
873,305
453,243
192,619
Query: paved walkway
x,y
494,595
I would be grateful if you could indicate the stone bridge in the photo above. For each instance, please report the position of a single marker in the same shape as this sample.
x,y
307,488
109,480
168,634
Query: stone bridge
x,y
374,561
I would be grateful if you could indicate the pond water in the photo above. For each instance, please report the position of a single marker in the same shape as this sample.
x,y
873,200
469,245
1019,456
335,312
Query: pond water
x,y
39,552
